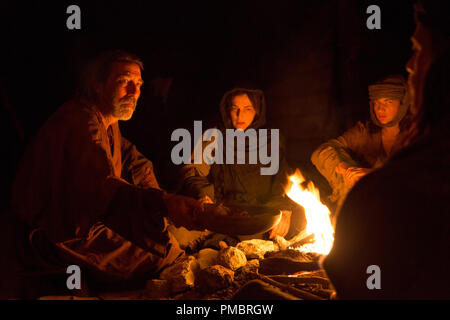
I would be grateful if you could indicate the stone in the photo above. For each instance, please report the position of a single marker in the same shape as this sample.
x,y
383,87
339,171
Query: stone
x,y
293,254
207,257
187,239
232,258
214,278
288,262
223,245
181,275
248,271
256,248
254,263
157,289
214,240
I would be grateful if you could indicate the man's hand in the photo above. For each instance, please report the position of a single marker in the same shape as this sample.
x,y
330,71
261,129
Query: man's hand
x,y
352,174
282,228
205,199
181,210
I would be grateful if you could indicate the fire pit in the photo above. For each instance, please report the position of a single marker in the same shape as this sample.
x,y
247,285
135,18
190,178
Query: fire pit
x,y
221,267
290,267
223,274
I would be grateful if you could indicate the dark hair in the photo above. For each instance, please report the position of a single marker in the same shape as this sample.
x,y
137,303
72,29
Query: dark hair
x,y
98,70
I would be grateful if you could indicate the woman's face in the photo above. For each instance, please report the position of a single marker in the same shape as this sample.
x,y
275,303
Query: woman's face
x,y
242,112
386,109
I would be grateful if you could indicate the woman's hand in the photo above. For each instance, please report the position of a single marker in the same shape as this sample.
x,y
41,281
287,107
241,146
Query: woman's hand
x,y
282,228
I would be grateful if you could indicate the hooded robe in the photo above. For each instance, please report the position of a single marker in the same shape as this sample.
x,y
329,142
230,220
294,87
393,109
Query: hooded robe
x,y
87,196
243,183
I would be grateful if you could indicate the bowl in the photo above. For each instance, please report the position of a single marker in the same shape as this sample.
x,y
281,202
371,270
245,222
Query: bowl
x,y
238,219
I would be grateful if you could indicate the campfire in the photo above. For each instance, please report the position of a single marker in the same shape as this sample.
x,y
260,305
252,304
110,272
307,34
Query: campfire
x,y
319,231
220,266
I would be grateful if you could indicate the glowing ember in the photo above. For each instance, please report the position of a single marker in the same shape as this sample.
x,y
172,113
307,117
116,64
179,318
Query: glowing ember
x,y
319,226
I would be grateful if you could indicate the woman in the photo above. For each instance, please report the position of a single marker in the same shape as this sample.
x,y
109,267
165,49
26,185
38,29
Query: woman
x,y
243,109
366,146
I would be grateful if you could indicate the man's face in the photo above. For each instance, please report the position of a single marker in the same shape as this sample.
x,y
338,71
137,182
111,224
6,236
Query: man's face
x,y
242,112
418,65
386,109
122,90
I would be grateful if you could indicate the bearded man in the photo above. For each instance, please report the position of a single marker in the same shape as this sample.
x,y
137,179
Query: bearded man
x,y
87,196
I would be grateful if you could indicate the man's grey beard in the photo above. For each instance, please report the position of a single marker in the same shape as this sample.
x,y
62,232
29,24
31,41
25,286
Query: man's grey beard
x,y
124,112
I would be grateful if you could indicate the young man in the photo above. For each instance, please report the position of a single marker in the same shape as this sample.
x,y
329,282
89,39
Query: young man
x,y
392,235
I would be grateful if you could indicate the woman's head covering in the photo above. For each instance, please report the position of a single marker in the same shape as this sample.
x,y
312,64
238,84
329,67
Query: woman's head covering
x,y
393,87
256,96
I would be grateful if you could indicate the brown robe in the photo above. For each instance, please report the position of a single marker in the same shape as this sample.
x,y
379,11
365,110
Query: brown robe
x,y
94,197
357,147
397,218
243,183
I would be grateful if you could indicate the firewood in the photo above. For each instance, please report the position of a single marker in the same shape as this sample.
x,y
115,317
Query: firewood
x,y
292,254
294,291
303,241
299,237
282,242
277,266
324,293
300,280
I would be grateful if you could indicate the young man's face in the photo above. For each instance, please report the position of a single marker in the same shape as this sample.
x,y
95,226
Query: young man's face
x,y
122,90
386,109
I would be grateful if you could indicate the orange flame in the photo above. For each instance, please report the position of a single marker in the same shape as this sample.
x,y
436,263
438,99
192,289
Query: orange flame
x,y
319,224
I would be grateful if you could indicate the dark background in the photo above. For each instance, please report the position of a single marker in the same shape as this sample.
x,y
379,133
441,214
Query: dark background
x,y
313,59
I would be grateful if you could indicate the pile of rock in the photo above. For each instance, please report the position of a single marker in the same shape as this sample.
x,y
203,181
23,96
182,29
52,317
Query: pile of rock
x,y
210,270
